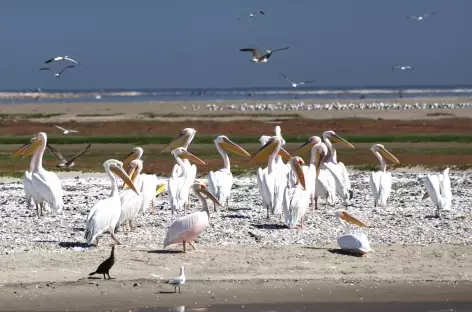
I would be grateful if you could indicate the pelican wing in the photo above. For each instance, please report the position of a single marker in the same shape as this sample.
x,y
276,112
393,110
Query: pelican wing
x,y
184,226
60,128
325,186
130,205
431,183
148,188
356,242
220,183
260,177
445,188
295,204
341,190
62,70
101,218
48,186
344,175
57,58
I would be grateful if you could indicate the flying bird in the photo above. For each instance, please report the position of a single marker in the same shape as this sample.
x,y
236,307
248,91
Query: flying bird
x,y
105,266
62,58
403,67
421,17
256,58
178,281
56,74
66,131
296,84
64,162
251,14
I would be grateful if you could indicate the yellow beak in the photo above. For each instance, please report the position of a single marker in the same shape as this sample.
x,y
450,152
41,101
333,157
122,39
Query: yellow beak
x,y
21,150
209,195
161,188
388,155
177,142
263,154
32,148
300,174
192,158
129,158
351,219
132,176
230,146
337,139
319,160
304,149
122,174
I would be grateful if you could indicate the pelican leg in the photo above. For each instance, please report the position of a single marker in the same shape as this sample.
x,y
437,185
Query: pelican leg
x,y
131,228
192,245
268,216
185,246
114,238
214,207
175,288
316,202
179,289
153,206
96,244
438,213
227,203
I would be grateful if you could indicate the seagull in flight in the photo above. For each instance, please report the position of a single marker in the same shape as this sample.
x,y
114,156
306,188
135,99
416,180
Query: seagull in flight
x,y
62,58
421,17
296,84
256,58
252,14
66,131
64,162
403,67
58,74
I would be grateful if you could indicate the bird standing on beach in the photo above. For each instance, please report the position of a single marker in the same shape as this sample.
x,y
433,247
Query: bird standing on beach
x,y
296,84
105,266
438,187
256,58
178,281
57,74
296,197
381,180
68,163
131,202
356,243
421,17
62,58
251,14
66,131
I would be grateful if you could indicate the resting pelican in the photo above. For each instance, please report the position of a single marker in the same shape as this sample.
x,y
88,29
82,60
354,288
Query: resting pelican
x,y
105,214
343,185
323,185
273,182
296,197
131,201
438,187
221,181
186,228
46,184
381,181
181,181
353,242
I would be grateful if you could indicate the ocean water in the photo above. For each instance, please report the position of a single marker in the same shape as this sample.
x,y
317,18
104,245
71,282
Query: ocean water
x,y
231,94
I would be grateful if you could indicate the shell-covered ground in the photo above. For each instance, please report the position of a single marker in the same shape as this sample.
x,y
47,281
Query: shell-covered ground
x,y
407,219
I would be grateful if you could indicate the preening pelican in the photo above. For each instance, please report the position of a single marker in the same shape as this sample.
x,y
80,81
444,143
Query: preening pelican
x,y
105,214
353,242
438,188
381,180
181,180
131,201
274,181
221,181
343,184
46,184
185,229
324,185
296,198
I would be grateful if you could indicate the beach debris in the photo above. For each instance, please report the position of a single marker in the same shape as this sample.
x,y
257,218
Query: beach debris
x,y
251,14
421,17
57,74
66,131
68,163
105,266
256,58
62,58
296,84
178,281
256,237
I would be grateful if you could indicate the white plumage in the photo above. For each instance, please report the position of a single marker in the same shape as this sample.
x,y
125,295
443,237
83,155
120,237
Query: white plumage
x,y
381,180
438,188
131,202
352,242
296,199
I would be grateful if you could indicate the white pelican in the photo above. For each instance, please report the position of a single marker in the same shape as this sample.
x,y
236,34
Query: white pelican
x,y
181,181
261,59
343,184
62,58
185,229
59,73
221,181
27,177
46,184
353,242
105,214
131,201
324,185
438,187
66,131
296,197
381,180
273,182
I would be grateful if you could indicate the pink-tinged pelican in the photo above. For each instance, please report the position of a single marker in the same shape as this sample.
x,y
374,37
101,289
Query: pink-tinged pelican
x,y
105,214
438,187
47,186
131,202
353,242
343,184
274,181
381,180
296,197
181,181
221,181
186,228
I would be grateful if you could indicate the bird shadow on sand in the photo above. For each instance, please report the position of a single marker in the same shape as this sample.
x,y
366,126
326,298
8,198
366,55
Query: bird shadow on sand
x,y
269,226
164,251
317,248
344,253
235,217
429,217
167,292
73,244
238,209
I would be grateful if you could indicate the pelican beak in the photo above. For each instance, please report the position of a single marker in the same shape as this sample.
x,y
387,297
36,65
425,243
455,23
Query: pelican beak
x,y
304,148
228,145
426,195
177,142
351,219
336,138
21,150
299,172
263,153
161,188
32,148
129,158
192,158
388,155
319,160
212,197
119,171
131,175
284,154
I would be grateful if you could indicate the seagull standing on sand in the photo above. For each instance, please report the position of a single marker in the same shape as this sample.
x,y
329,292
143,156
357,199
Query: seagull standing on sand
x,y
62,58
58,74
264,58
252,14
178,281
403,67
296,84
421,17
66,131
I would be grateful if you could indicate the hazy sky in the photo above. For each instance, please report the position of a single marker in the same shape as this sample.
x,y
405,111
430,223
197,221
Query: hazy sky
x,y
194,43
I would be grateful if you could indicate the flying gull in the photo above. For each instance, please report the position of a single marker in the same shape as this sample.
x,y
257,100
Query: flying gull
x,y
421,17
296,84
64,162
62,58
402,67
251,14
59,73
261,59
66,131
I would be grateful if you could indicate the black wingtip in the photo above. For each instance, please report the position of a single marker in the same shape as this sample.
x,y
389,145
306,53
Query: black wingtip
x,y
90,274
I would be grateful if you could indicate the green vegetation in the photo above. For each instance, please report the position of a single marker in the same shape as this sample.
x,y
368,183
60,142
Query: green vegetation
x,y
99,115
28,116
